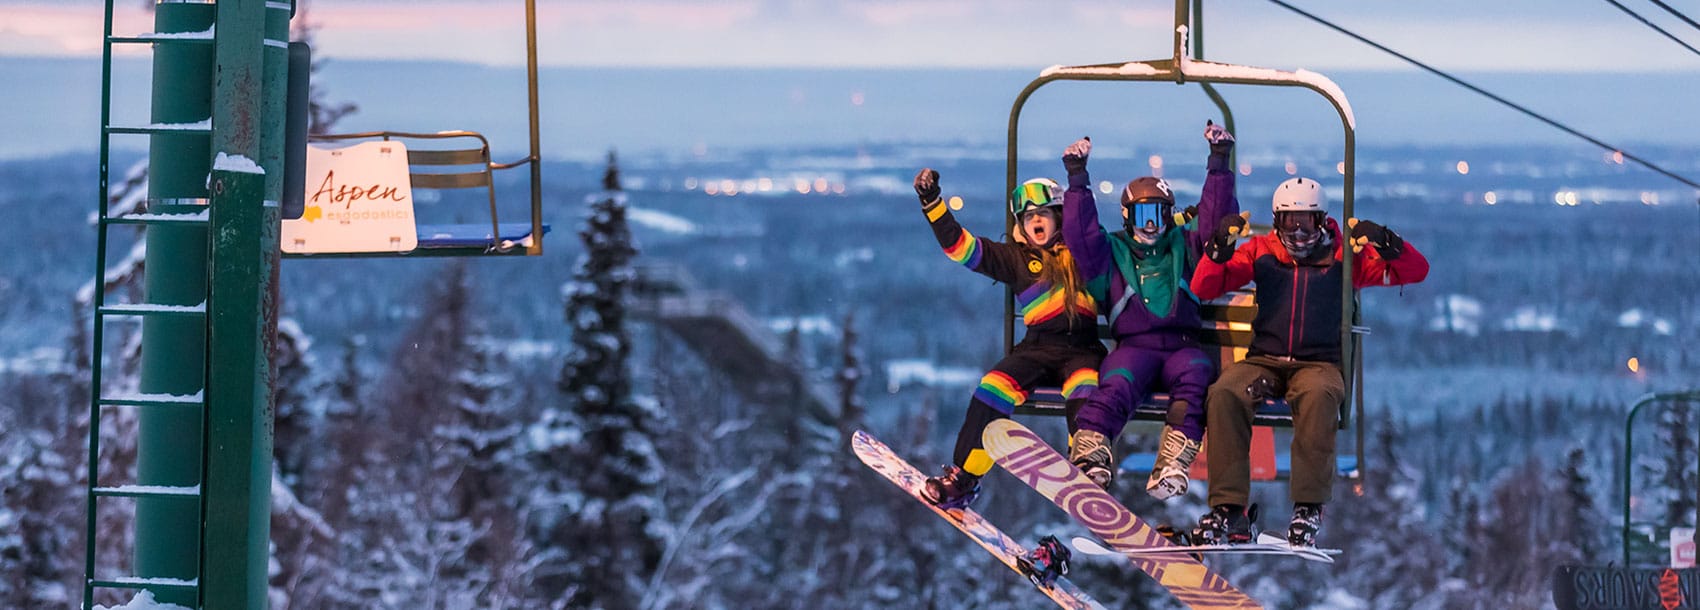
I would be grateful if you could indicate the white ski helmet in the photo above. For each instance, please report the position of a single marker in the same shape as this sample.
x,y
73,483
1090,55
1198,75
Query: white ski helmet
x,y
1034,194
1300,195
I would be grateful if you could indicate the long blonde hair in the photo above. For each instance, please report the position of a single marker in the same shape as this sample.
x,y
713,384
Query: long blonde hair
x,y
1056,266
1058,269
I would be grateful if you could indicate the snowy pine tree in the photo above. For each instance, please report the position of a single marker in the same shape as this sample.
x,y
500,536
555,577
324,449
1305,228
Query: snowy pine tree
x,y
852,410
1386,533
292,418
1676,475
598,514
1578,528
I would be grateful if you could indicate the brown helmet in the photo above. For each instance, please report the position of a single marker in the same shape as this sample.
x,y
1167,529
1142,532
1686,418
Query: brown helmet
x,y
1147,189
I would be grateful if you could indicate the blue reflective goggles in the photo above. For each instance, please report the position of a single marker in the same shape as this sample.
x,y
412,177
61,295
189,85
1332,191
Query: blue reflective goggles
x,y
1147,211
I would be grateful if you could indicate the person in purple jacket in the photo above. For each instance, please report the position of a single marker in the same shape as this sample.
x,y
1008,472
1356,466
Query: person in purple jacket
x,y
1139,276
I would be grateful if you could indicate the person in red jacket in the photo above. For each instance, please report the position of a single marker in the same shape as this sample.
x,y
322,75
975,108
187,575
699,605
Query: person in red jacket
x,y
1295,348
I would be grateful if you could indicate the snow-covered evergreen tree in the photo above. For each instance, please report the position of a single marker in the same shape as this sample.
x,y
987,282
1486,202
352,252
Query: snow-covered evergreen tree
x,y
1386,536
1676,477
598,517
475,445
1579,525
292,417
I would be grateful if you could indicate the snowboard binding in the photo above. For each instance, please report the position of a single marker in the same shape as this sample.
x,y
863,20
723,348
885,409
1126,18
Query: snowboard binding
x,y
1179,537
1047,561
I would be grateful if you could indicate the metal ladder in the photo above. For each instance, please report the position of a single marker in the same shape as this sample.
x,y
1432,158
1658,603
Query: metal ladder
x,y
181,408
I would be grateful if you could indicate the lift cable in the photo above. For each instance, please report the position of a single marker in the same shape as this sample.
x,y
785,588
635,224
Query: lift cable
x,y
1483,92
1655,26
1677,13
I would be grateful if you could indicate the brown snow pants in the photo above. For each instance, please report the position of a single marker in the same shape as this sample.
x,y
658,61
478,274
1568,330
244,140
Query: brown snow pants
x,y
1314,389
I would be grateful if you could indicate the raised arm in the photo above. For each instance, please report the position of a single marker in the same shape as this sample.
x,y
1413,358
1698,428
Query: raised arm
x,y
1224,268
1383,258
1001,262
1218,199
1081,232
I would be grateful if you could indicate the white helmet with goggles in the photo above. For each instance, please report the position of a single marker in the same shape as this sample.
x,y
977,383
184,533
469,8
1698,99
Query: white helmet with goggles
x,y
1300,208
1034,194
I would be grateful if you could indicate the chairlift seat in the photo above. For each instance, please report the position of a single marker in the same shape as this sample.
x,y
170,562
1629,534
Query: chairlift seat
x,y
454,160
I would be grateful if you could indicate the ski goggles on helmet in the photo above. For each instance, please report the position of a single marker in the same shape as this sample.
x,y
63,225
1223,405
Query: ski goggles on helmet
x,y
1033,195
1155,211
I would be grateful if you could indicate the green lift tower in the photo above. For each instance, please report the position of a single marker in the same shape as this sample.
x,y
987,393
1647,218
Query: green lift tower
x,y
215,159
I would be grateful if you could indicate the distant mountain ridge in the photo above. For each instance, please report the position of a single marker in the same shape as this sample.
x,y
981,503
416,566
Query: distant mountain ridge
x,y
55,106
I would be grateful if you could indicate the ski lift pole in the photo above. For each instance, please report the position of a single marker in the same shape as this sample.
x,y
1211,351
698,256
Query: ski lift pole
x,y
1629,454
1197,30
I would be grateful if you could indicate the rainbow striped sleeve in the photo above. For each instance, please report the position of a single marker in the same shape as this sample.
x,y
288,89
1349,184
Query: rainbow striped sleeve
x,y
966,250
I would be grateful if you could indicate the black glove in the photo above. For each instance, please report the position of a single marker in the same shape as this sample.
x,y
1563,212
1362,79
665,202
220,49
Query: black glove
x,y
1387,243
1220,247
1074,157
927,185
1221,142
1186,215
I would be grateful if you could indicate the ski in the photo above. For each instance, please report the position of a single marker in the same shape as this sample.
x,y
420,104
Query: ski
x,y
881,459
1030,459
1267,544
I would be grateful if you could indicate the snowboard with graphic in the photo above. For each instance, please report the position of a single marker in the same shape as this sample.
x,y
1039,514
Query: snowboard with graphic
x,y
1030,459
881,459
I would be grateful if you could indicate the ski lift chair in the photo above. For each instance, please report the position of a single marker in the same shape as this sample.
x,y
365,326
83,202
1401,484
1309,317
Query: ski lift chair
x,y
1227,320
441,161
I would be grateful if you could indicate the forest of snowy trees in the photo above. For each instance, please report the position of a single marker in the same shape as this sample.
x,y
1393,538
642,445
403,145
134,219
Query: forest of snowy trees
x,y
457,476
456,458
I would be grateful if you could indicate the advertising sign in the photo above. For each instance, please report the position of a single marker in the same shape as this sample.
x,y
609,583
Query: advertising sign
x,y
358,199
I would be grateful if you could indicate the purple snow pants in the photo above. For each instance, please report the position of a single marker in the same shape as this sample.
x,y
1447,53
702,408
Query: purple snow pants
x,y
1134,369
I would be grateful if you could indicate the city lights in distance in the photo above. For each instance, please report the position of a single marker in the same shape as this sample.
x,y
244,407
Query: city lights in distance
x,y
956,202
1463,168
1490,198
1292,168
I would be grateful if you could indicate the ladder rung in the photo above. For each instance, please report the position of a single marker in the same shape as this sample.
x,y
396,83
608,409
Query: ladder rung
x,y
153,400
150,309
148,491
204,37
137,582
201,128
191,218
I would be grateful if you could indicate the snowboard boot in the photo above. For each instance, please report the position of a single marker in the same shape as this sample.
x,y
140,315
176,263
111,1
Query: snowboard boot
x,y
1090,452
953,489
1047,561
1307,519
1224,524
1172,472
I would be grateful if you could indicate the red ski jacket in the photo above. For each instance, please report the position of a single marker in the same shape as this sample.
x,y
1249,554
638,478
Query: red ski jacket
x,y
1298,306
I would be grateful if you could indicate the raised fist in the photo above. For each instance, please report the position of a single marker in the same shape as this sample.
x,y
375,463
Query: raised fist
x,y
927,185
1386,243
1220,246
1074,157
1220,140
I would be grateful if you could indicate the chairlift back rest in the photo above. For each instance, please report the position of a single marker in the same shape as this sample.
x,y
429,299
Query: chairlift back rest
x,y
478,176
1225,335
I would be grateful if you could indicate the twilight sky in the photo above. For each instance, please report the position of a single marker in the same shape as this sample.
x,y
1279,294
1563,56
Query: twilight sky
x,y
1510,35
